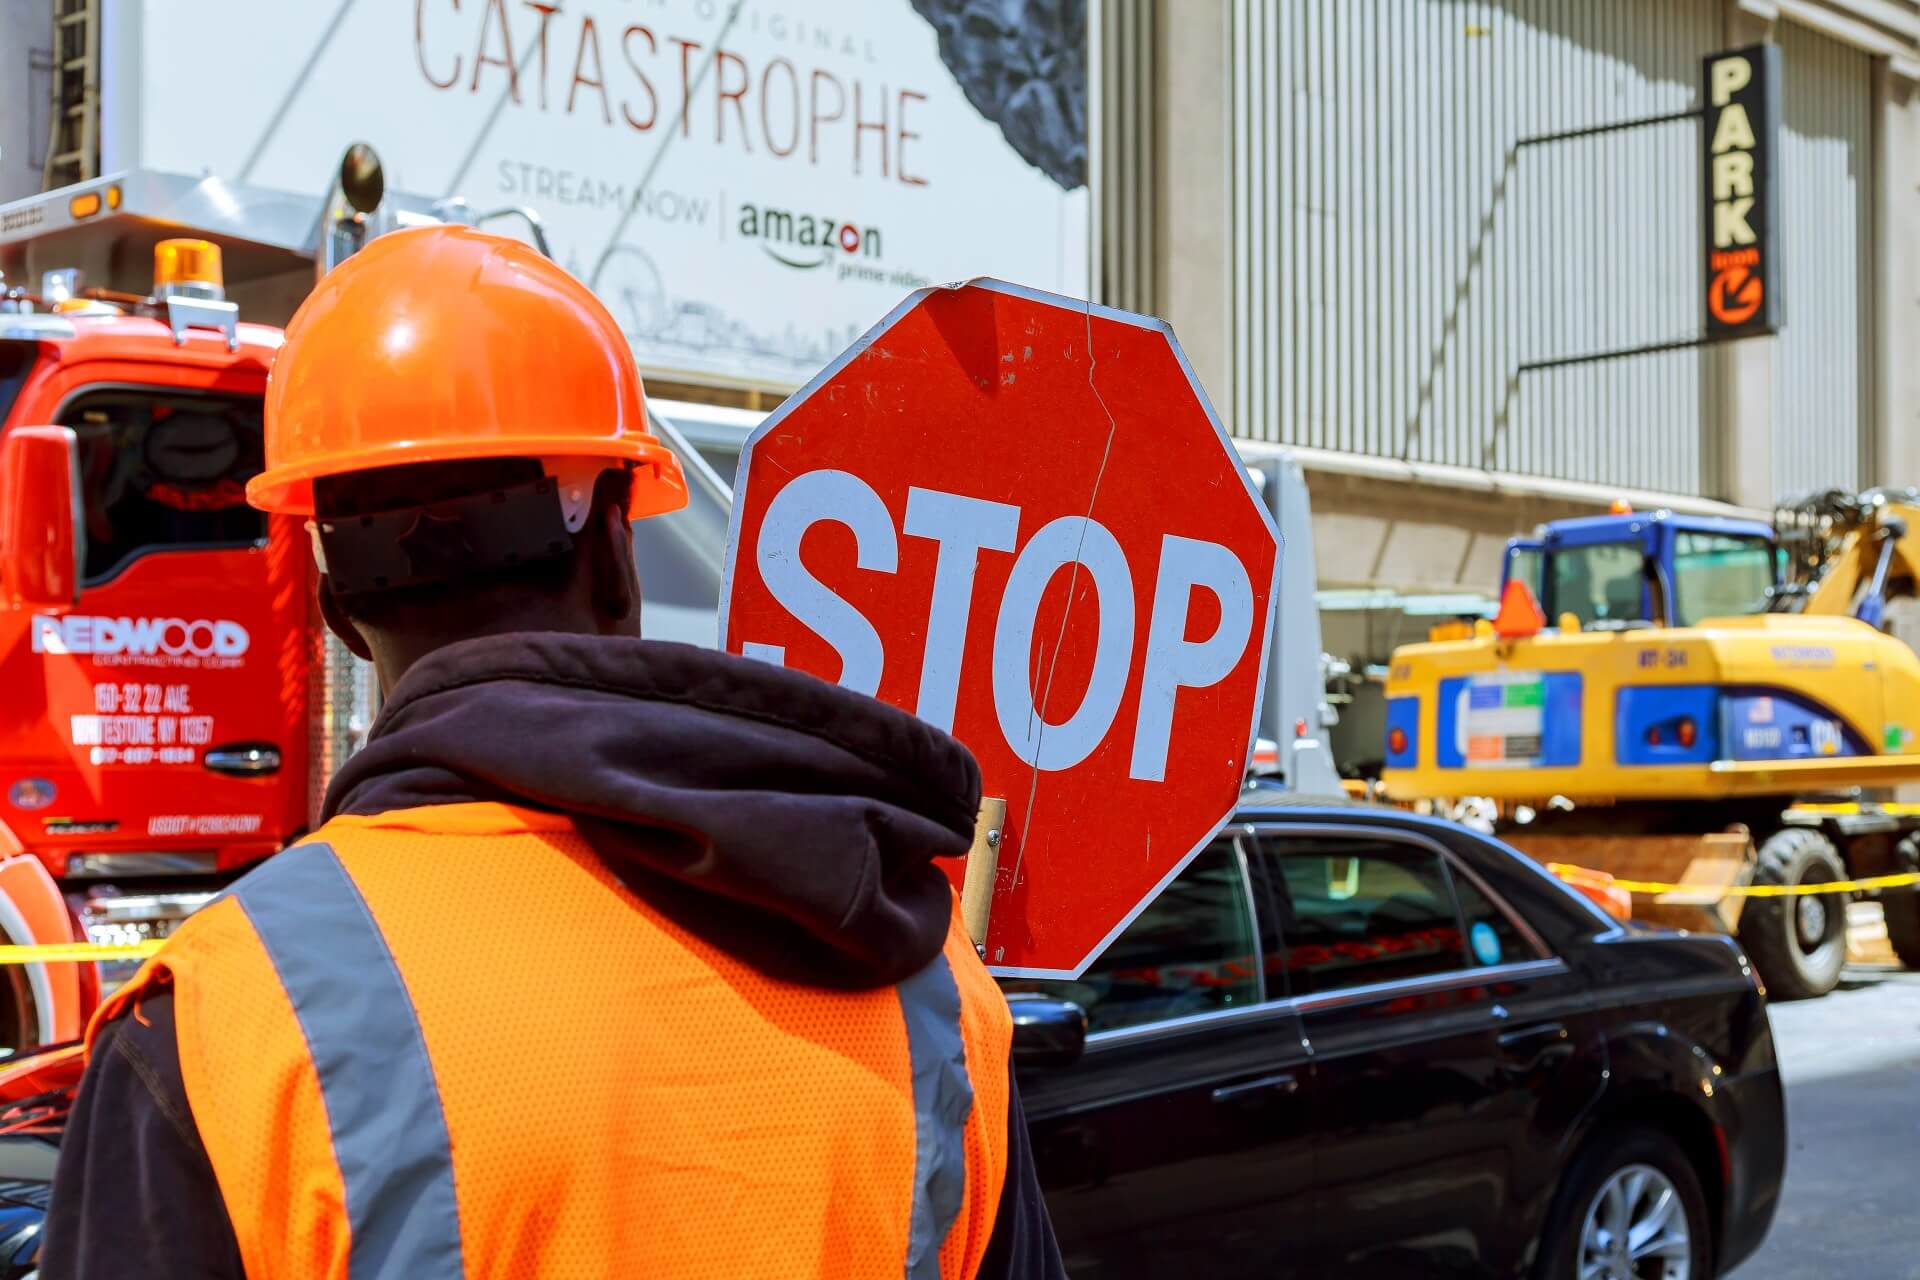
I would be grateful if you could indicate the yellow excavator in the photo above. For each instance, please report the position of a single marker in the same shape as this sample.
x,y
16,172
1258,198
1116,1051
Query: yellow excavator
x,y
1717,706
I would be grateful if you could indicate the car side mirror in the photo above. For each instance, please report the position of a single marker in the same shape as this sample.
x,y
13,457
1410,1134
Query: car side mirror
x,y
1046,1032
42,541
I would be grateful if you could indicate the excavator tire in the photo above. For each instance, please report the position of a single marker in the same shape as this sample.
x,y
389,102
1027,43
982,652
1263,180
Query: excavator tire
x,y
1798,943
1902,906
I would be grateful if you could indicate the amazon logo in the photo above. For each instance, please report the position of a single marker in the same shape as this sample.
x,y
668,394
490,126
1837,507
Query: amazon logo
x,y
805,241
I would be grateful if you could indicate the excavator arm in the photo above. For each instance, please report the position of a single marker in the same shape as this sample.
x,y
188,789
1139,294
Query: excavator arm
x,y
1853,554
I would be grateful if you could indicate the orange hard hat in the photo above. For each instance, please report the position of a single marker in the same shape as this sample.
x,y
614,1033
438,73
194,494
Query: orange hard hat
x,y
443,343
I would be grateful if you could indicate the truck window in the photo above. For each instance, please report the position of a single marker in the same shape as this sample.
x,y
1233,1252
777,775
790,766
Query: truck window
x,y
1600,583
16,358
1718,575
164,471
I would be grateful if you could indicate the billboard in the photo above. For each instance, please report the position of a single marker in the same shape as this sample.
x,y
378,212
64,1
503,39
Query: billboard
x,y
747,185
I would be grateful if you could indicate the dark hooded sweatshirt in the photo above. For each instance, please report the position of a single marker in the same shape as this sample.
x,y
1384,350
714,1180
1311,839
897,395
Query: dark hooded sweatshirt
x,y
787,820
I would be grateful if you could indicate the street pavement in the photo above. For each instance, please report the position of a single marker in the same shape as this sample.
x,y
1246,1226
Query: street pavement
x,y
1851,1206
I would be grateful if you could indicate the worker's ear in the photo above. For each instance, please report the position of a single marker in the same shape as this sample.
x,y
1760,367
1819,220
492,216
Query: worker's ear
x,y
616,576
341,625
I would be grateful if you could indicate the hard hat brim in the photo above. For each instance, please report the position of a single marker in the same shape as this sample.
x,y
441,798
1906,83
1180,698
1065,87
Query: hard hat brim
x,y
660,485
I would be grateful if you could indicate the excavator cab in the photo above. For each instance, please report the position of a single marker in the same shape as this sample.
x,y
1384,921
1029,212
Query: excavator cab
x,y
1625,570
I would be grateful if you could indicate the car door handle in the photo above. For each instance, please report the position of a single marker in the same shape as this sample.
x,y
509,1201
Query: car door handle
x,y
1281,1084
1544,1034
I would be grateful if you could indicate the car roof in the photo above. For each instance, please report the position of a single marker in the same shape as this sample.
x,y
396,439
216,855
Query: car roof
x,y
1274,806
1267,801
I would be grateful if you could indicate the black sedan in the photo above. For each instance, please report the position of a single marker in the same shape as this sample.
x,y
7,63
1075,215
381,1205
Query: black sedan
x,y
1350,1041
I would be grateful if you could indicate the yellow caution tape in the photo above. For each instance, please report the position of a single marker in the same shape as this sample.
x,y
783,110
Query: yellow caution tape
x,y
56,952
1894,809
1903,880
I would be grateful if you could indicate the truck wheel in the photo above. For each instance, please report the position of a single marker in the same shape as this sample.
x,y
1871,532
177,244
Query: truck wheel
x,y
1798,943
1629,1205
1902,906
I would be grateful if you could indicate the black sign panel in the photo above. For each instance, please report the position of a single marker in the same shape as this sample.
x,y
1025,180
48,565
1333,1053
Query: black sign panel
x,y
1741,88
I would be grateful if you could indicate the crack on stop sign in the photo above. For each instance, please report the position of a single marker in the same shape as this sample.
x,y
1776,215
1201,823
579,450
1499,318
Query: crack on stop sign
x,y
1046,691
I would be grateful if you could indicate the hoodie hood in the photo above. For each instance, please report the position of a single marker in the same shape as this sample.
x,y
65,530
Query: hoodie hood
x,y
786,819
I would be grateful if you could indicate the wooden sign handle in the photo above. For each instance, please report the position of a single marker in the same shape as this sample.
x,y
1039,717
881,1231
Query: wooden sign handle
x,y
983,865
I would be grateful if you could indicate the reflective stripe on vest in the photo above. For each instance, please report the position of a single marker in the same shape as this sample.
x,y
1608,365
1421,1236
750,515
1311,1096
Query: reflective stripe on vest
x,y
942,1099
383,1106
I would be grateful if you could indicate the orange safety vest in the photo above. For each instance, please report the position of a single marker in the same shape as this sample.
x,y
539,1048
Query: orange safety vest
x,y
447,1042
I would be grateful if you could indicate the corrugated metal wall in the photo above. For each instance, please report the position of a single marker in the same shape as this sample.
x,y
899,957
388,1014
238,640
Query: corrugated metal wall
x,y
1823,364
1124,154
1403,246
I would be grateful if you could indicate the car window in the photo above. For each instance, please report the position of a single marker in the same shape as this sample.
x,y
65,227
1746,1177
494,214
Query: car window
x,y
1356,912
1191,950
1492,936
161,469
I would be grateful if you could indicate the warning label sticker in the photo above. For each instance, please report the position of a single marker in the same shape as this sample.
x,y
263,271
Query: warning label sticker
x,y
1502,719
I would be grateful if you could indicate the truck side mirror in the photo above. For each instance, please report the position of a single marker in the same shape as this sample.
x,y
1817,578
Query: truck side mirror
x,y
362,180
1046,1032
42,539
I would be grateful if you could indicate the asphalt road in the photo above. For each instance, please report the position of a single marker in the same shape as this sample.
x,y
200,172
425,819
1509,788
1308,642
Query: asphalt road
x,y
1851,1206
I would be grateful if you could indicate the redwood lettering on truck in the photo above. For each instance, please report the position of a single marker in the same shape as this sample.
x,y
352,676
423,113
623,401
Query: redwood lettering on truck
x,y
154,641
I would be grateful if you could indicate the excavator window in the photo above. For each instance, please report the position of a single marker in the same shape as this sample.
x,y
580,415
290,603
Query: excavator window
x,y
1717,575
1523,563
1599,584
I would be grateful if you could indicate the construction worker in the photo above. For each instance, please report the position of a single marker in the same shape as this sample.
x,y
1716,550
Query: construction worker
x,y
610,957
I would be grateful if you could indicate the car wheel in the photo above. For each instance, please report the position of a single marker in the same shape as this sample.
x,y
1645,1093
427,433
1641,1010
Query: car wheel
x,y
1630,1208
1902,907
1798,943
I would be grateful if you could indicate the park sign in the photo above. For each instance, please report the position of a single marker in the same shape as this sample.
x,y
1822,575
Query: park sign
x,y
1741,133
1016,516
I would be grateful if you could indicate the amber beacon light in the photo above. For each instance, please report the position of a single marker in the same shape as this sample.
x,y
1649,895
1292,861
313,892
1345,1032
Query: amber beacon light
x,y
187,267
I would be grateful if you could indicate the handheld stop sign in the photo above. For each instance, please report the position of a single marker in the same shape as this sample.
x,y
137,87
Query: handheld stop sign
x,y
1018,518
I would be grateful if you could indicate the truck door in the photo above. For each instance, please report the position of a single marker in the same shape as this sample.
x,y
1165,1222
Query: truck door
x,y
164,714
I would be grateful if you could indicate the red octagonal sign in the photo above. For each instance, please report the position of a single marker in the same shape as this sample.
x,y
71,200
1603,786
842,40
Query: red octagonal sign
x,y
1017,517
